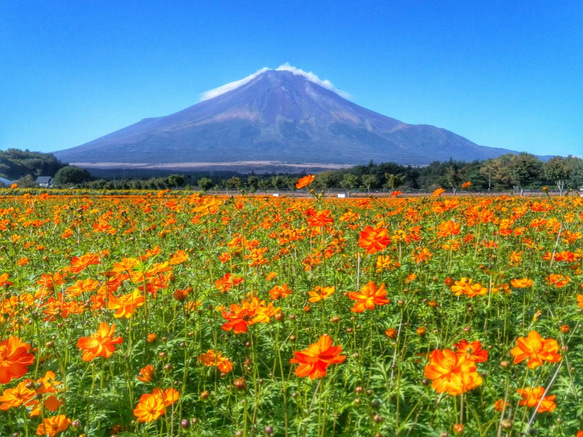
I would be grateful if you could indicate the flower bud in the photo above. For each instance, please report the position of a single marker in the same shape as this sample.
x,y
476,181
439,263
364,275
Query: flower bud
x,y
506,424
240,384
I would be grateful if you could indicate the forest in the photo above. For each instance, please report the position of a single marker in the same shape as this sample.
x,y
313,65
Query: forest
x,y
516,172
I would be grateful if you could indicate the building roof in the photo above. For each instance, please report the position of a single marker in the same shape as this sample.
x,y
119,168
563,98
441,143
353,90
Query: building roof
x,y
44,179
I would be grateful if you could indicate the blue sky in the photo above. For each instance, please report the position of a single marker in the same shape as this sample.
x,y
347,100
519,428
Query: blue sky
x,y
500,73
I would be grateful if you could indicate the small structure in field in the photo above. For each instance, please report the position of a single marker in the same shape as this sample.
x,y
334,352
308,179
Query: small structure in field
x,y
44,181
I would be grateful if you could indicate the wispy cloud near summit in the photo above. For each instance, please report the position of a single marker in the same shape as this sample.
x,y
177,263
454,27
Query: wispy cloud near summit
x,y
285,67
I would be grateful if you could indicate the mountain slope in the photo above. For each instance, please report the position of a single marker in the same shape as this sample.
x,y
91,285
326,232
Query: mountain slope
x,y
278,116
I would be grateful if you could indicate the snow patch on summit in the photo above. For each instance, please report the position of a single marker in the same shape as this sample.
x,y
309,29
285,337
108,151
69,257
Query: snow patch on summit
x,y
230,86
285,67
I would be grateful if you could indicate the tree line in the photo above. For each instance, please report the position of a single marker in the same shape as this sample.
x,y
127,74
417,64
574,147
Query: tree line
x,y
517,172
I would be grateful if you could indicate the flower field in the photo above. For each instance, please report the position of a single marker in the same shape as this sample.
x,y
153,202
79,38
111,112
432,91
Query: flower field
x,y
173,313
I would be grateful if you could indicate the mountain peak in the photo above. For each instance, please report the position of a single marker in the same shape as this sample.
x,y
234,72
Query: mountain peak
x,y
215,92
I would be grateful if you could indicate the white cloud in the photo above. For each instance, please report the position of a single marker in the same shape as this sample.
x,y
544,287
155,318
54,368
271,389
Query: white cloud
x,y
285,67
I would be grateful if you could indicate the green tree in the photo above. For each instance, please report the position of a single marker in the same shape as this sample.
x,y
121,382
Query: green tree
x,y
576,180
525,170
26,182
264,184
278,182
349,182
453,178
233,182
497,172
175,180
561,170
326,180
71,175
393,180
252,183
205,184
369,180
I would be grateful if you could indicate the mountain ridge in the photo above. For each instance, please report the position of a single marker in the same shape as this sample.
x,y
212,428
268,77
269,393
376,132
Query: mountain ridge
x,y
277,116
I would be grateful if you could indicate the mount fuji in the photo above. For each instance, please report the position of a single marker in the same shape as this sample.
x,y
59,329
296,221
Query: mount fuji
x,y
282,117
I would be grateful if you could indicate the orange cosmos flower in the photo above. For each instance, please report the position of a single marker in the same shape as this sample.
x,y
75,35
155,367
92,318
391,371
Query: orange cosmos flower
x,y
153,405
421,255
319,218
448,228
270,276
14,359
251,311
78,264
532,396
566,256
47,385
82,286
147,373
179,257
515,257
472,351
227,282
17,396
467,287
305,181
51,426
4,282
126,265
438,192
558,280
451,372
314,360
374,239
170,395
466,185
385,262
522,283
580,300
212,358
149,408
23,261
320,293
500,405
151,252
368,297
279,291
182,294
126,305
536,350
99,344
237,317
391,333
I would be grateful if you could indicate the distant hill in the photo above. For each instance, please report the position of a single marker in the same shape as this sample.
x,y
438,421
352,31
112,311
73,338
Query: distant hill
x,y
15,164
276,117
